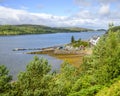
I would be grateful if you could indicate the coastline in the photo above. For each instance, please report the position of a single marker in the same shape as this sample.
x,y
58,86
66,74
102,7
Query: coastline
x,y
74,57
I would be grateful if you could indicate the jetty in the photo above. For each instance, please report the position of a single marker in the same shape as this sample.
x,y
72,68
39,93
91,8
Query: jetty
x,y
23,49
42,49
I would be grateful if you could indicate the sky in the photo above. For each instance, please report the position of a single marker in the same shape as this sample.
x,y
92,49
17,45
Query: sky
x,y
95,14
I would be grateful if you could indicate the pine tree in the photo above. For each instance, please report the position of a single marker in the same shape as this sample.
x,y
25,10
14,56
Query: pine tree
x,y
5,79
34,81
72,39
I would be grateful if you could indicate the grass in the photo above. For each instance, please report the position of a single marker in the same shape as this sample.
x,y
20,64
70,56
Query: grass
x,y
73,59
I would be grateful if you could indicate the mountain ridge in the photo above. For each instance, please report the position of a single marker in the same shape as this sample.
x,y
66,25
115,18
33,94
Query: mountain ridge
x,y
37,29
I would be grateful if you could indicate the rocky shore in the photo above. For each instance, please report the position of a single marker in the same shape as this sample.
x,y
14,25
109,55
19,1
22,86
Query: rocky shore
x,y
72,55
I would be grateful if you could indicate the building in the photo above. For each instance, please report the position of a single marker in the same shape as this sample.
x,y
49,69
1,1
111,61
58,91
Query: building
x,y
94,40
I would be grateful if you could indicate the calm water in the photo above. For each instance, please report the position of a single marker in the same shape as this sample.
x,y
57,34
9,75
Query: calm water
x,y
16,61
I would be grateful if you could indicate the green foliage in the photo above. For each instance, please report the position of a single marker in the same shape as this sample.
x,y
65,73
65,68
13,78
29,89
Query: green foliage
x,y
4,80
34,81
115,28
72,39
99,75
33,29
38,67
106,58
100,68
77,29
25,29
63,82
113,90
90,91
78,43
104,62
111,25
83,82
85,86
37,80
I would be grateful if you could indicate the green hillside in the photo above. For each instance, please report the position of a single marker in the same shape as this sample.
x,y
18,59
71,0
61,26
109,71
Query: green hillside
x,y
77,29
35,29
115,28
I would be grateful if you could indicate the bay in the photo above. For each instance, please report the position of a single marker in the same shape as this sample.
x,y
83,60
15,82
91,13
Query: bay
x,y
16,61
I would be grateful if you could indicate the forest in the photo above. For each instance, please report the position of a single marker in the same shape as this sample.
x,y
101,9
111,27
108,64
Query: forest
x,y
98,75
35,29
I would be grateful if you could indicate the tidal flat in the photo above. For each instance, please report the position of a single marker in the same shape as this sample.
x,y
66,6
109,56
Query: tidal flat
x,y
74,57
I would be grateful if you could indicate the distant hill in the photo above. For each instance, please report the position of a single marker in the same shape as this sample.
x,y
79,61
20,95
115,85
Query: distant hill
x,y
35,29
77,29
101,30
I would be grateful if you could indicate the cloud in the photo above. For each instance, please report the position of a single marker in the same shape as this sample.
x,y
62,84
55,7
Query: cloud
x,y
15,16
82,2
83,18
89,3
9,15
84,14
105,10
108,1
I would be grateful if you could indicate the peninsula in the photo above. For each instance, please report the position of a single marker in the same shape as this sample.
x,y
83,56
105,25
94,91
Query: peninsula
x,y
72,53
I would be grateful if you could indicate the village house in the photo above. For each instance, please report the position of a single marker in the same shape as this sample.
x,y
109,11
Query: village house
x,y
93,41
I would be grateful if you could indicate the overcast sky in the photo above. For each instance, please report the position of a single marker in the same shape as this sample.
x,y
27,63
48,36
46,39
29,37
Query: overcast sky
x,y
61,13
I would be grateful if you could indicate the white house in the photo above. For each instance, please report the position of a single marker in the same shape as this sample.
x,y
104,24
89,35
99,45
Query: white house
x,y
94,40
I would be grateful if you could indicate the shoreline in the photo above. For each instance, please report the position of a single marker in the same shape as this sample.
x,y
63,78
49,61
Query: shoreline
x,y
74,57
45,33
